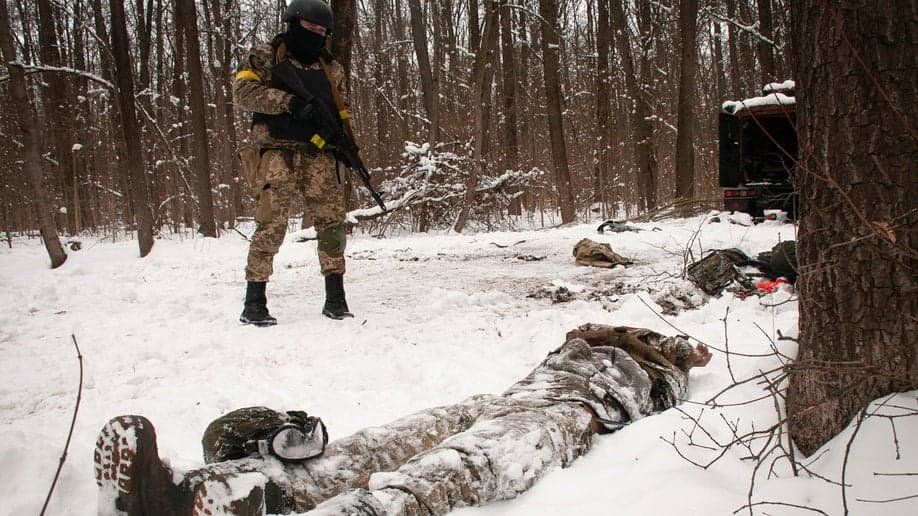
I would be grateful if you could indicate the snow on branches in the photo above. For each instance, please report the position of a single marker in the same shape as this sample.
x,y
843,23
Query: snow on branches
x,y
429,188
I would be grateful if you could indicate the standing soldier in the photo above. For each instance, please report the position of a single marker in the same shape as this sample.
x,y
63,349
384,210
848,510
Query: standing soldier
x,y
292,160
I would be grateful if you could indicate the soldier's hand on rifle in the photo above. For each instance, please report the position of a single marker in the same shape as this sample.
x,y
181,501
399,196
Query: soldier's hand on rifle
x,y
302,110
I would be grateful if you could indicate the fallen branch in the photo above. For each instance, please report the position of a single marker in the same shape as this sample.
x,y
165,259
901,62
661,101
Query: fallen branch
x,y
70,433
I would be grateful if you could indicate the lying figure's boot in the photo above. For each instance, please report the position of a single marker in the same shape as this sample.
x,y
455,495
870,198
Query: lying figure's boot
x,y
132,479
234,495
335,304
255,311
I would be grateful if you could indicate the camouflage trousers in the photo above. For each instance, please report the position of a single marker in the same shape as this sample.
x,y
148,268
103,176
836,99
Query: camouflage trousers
x,y
289,179
484,449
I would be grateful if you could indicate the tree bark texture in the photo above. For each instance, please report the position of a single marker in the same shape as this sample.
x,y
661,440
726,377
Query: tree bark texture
x,y
133,158
768,71
56,93
200,158
856,92
551,66
685,124
419,34
342,39
27,121
603,103
510,134
480,88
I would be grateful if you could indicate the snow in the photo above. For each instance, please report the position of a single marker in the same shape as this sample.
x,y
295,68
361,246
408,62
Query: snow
x,y
787,85
772,99
439,318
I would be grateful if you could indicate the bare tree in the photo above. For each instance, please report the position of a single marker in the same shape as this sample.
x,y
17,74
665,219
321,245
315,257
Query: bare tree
x,y
133,158
480,96
685,125
27,121
765,47
548,10
430,95
642,137
188,19
510,138
857,252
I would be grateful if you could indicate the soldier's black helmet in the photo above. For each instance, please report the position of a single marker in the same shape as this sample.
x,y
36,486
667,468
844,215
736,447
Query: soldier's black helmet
x,y
315,11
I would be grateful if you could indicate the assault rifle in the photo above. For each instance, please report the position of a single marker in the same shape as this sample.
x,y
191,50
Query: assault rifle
x,y
331,130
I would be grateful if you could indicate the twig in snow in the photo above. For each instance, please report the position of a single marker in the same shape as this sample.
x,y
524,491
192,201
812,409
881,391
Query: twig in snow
x,y
70,433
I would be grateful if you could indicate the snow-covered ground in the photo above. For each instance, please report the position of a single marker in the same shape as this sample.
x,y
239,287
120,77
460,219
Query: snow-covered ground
x,y
438,318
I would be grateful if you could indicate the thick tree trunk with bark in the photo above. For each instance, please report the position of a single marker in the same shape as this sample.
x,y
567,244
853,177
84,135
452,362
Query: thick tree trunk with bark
x,y
603,104
419,34
200,158
642,136
551,67
643,130
27,121
856,92
685,124
510,134
133,158
480,96
342,40
57,101
736,77
768,72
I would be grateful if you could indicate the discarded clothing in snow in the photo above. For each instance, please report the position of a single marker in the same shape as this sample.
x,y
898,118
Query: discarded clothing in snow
x,y
616,226
718,270
780,261
594,254
487,448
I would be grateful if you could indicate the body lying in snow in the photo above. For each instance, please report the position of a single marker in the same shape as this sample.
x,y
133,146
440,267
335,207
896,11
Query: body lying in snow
x,y
486,448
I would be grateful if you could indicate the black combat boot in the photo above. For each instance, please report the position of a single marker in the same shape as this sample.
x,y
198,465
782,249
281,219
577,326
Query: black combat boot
x,y
256,308
335,304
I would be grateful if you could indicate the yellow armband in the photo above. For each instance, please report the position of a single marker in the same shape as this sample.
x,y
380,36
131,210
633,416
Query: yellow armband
x,y
247,75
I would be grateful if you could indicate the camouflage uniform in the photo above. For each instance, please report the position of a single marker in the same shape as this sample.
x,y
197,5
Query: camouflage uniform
x,y
288,171
492,447
489,447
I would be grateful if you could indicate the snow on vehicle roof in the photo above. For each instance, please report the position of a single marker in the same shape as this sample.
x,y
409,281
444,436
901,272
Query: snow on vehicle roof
x,y
772,99
787,85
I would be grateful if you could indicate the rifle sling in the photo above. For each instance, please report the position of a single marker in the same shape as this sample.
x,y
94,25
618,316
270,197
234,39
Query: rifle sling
x,y
339,102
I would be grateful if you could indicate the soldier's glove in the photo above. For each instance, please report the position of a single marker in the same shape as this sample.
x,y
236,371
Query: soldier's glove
x,y
302,110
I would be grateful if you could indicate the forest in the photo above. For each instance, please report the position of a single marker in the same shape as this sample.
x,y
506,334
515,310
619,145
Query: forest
x,y
498,113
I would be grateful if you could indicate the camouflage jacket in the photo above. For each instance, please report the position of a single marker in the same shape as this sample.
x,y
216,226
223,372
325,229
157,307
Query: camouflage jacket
x,y
599,367
252,90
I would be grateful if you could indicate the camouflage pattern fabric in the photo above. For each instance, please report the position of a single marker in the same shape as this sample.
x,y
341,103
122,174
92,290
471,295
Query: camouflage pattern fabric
x,y
487,447
594,254
251,90
288,172
225,437
289,178
717,270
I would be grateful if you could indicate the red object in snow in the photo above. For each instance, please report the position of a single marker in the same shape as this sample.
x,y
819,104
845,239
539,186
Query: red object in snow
x,y
770,286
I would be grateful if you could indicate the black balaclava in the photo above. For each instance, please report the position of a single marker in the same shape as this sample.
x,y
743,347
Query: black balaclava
x,y
305,45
